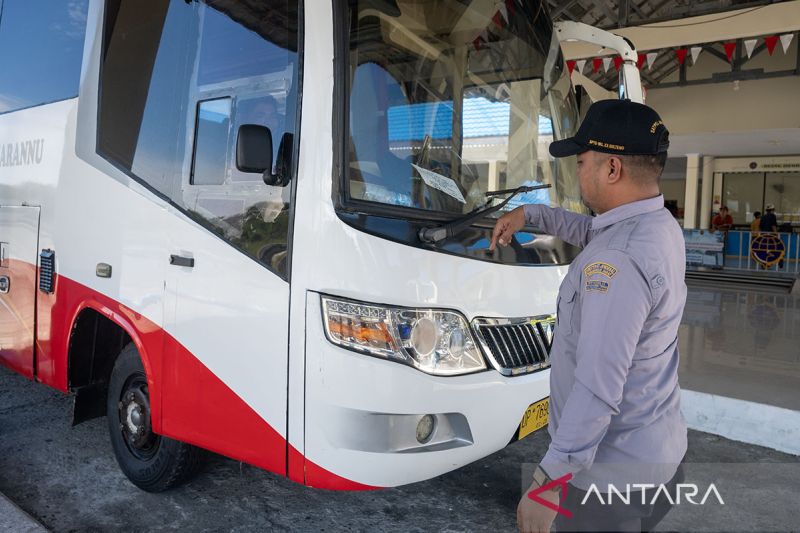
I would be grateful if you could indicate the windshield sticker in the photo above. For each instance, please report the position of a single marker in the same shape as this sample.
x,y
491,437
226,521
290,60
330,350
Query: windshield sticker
x,y
443,183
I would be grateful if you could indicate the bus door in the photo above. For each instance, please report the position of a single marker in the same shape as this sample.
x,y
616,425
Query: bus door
x,y
227,299
19,233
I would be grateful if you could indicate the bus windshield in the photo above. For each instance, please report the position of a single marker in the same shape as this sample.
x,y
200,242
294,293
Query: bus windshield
x,y
449,99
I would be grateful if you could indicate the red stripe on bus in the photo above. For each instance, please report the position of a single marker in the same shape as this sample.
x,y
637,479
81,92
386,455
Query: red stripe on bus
x,y
188,402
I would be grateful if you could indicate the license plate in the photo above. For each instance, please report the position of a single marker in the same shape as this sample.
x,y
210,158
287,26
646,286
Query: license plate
x,y
535,417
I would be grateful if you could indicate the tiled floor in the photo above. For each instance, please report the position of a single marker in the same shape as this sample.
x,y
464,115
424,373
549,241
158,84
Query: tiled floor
x,y
742,343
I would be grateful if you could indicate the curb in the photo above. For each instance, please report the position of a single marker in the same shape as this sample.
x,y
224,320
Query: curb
x,y
12,518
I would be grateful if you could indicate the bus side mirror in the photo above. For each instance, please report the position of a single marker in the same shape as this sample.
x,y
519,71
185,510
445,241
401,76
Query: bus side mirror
x,y
283,166
254,149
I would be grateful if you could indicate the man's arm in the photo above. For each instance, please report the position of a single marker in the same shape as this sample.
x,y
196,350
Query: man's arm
x,y
616,301
566,225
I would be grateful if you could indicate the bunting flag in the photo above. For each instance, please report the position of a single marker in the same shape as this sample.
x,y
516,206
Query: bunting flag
x,y
730,48
477,43
771,41
786,40
650,57
511,7
695,51
498,20
749,46
502,9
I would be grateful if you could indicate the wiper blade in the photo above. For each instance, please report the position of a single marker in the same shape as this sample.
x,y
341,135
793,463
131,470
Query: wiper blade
x,y
454,227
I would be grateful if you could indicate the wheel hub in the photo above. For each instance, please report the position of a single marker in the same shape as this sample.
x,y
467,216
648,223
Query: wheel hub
x,y
134,417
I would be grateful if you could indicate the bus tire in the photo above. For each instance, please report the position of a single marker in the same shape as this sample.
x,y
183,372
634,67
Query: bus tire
x,y
151,462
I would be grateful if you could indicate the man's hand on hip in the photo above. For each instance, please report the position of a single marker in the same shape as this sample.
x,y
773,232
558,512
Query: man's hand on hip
x,y
506,226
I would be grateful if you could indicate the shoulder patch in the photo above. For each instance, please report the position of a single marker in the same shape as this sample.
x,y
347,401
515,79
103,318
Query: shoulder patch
x,y
603,269
595,285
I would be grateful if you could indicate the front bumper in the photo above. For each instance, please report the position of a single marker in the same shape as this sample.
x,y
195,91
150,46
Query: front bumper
x,y
361,413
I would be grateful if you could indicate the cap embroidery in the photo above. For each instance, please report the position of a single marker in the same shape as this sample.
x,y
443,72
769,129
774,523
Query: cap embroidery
x,y
655,125
606,145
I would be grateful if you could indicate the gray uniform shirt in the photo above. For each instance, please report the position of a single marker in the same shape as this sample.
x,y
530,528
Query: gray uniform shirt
x,y
615,413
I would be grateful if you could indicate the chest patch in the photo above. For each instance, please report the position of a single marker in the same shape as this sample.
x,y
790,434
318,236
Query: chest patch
x,y
595,285
604,269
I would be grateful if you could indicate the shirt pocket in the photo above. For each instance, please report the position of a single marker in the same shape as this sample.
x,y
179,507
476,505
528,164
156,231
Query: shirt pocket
x,y
567,300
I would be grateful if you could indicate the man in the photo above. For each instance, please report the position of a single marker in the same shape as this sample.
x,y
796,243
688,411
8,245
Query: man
x,y
722,221
769,222
615,402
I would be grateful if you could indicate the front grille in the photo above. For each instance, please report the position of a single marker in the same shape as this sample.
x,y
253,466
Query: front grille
x,y
516,345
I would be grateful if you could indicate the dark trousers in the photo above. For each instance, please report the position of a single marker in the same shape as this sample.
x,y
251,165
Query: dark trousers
x,y
617,516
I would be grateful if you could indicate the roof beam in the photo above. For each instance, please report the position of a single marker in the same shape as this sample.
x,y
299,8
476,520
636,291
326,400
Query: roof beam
x,y
622,19
563,9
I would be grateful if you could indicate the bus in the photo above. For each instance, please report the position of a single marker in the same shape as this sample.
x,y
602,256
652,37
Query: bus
x,y
261,228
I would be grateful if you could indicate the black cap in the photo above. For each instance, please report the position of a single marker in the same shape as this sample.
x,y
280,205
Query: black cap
x,y
616,127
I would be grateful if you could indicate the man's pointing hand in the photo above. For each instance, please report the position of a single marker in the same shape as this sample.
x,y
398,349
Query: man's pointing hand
x,y
506,226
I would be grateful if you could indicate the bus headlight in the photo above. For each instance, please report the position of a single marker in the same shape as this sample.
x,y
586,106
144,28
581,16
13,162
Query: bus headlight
x,y
435,341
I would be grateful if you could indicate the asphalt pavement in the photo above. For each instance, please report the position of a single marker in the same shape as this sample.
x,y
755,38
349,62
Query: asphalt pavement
x,y
67,479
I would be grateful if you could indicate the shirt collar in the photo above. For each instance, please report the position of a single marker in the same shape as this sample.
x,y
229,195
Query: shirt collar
x,y
624,211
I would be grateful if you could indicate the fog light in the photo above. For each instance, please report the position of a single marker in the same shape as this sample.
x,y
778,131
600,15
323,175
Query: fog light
x,y
425,428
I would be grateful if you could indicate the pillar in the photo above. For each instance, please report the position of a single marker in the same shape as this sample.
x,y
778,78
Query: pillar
x,y
708,189
692,182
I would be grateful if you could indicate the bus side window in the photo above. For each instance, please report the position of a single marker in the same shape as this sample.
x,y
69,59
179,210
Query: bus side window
x,y
41,48
212,142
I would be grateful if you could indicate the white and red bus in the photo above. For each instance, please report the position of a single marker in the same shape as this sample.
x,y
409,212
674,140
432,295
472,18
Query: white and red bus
x,y
218,227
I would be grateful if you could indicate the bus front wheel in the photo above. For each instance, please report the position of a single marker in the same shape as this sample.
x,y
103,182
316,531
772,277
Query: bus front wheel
x,y
152,462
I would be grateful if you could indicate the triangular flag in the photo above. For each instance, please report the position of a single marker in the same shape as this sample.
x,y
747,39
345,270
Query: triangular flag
x,y
729,49
640,60
617,62
570,66
695,51
498,19
786,39
477,43
596,62
511,7
501,7
606,63
771,41
749,46
580,64
651,58
681,54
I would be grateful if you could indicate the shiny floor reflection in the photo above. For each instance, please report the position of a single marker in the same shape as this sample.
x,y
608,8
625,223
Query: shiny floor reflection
x,y
742,343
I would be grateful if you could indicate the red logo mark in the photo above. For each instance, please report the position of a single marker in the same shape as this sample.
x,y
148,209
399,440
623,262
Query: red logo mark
x,y
534,495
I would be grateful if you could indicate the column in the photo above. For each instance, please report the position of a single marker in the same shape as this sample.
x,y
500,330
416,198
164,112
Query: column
x,y
708,189
692,182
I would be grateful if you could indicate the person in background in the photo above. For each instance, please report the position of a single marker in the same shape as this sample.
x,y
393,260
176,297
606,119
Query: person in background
x,y
755,225
769,222
722,221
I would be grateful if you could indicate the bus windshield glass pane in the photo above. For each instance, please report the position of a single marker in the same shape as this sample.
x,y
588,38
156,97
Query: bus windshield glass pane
x,y
449,99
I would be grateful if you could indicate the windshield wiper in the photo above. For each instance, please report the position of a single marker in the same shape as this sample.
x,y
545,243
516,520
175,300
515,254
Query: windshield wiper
x,y
454,227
